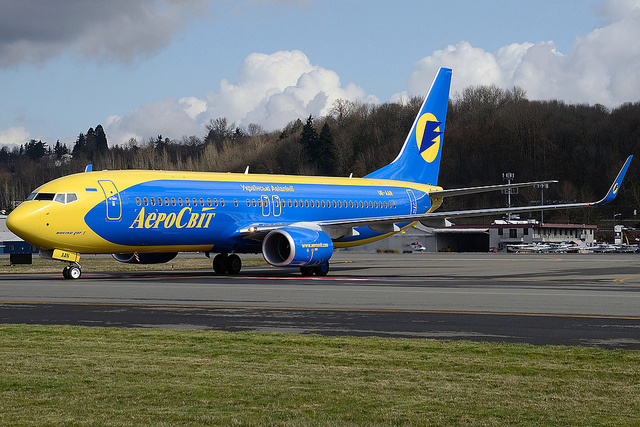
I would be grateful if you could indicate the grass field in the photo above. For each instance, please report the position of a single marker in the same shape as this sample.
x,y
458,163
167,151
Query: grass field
x,y
63,375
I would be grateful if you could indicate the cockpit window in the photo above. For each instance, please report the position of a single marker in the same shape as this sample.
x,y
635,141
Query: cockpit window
x,y
62,198
45,196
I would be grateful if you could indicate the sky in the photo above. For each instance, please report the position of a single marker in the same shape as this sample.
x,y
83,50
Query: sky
x,y
143,68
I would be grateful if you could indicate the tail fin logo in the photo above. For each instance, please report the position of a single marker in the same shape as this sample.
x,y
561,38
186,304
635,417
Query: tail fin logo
x,y
428,136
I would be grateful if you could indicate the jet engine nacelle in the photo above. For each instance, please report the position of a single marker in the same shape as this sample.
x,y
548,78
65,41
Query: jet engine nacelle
x,y
152,258
296,246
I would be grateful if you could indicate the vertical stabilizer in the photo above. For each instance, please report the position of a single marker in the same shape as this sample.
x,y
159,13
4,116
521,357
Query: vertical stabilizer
x,y
419,159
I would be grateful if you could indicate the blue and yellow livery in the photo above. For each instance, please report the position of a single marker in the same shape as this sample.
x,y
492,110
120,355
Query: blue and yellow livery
x,y
294,221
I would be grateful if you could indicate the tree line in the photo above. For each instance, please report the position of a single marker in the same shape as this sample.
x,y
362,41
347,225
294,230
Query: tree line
x,y
489,131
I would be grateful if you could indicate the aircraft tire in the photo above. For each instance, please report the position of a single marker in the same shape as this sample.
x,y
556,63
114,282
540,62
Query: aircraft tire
x,y
322,269
306,271
220,264
74,272
234,264
71,272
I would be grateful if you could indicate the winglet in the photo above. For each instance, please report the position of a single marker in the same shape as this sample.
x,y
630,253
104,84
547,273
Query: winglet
x,y
613,191
88,168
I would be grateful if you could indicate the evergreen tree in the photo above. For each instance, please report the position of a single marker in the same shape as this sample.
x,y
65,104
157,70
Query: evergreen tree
x,y
60,149
101,139
309,139
326,148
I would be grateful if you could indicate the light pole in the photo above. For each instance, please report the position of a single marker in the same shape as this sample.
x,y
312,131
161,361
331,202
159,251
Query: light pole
x,y
509,176
542,187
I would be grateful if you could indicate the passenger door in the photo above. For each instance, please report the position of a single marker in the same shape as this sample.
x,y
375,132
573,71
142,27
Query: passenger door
x,y
112,200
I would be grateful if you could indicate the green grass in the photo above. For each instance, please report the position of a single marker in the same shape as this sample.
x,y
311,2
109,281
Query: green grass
x,y
62,375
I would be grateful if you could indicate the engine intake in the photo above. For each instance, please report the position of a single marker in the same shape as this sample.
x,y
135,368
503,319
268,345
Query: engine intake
x,y
296,246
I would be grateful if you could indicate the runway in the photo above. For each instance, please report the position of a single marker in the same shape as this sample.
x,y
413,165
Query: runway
x,y
567,299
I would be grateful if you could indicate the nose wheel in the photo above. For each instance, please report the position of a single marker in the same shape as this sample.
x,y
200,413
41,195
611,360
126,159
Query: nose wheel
x,y
72,271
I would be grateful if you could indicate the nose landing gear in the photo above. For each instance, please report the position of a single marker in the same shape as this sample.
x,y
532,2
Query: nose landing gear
x,y
72,271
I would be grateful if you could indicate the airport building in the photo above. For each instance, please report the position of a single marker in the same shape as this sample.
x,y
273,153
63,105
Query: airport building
x,y
483,238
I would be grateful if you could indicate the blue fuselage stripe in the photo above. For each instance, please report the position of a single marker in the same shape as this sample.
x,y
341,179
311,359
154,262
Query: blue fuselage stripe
x,y
147,219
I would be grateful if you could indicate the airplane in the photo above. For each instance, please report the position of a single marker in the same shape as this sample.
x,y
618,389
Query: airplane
x,y
147,217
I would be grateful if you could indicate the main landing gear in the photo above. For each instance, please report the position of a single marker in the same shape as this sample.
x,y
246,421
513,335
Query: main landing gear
x,y
227,264
72,271
318,270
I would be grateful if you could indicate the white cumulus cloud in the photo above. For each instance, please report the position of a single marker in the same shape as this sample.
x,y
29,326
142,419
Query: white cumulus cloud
x,y
602,67
271,90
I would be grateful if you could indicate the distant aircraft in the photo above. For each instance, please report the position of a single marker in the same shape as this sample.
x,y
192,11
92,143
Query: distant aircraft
x,y
294,221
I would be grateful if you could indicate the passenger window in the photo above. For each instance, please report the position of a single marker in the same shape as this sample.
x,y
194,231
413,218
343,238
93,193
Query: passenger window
x,y
208,202
166,201
222,202
173,201
187,201
253,202
159,201
201,201
195,202
334,204
153,201
145,201
248,203
179,201
215,202
235,202
295,203
289,202
306,203
350,203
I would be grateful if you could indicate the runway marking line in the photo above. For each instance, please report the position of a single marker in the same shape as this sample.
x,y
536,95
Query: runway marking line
x,y
357,310
623,279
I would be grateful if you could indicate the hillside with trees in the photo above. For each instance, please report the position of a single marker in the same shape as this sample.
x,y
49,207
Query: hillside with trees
x,y
489,131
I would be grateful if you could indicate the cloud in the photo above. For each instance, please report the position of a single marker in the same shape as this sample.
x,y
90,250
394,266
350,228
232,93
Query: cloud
x,y
602,67
37,30
14,136
272,90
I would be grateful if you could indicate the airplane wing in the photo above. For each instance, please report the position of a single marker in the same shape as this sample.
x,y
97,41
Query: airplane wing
x,y
434,217
342,227
484,189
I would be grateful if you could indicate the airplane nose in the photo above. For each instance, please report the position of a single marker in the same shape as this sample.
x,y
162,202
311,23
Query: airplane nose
x,y
24,223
